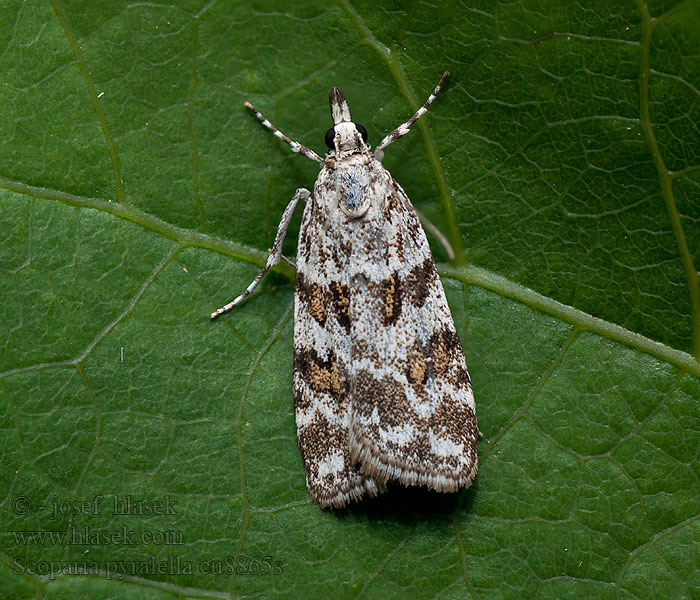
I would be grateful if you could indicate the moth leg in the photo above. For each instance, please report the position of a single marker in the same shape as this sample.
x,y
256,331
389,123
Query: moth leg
x,y
291,263
275,252
439,236
403,129
296,146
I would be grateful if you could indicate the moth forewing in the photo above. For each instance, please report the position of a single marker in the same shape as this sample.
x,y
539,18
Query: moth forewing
x,y
381,387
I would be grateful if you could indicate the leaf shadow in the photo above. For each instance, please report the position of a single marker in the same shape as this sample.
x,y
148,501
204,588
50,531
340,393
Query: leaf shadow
x,y
408,504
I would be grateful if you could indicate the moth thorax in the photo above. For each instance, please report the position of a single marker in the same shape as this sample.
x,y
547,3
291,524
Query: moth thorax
x,y
352,188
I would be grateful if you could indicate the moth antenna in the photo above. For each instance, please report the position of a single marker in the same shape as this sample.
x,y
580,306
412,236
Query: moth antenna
x,y
296,146
404,128
381,387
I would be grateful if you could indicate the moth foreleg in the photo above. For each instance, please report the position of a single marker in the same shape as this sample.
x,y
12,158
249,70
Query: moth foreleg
x,y
275,251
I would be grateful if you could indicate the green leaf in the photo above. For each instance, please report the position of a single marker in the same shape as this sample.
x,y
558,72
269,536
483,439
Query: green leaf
x,y
138,195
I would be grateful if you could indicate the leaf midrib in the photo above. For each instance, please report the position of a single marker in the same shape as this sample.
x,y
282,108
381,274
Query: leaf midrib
x,y
467,274
451,223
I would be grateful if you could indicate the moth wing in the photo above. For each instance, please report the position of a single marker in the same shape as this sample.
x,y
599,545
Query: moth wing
x,y
412,415
321,364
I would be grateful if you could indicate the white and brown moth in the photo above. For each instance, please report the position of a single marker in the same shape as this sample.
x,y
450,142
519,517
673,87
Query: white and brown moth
x,y
381,387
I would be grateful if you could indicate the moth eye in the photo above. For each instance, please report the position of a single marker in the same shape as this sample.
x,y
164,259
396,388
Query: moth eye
x,y
330,136
362,130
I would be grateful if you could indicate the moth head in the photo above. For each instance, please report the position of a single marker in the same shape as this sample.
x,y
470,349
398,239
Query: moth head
x,y
345,137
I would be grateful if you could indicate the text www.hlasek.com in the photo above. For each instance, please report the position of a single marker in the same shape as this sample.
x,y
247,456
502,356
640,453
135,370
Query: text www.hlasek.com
x,y
119,569
86,536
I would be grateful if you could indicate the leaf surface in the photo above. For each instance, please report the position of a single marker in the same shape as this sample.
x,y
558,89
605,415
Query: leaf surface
x,y
150,453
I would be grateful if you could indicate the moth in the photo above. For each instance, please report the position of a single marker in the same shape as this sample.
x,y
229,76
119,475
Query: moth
x,y
381,387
